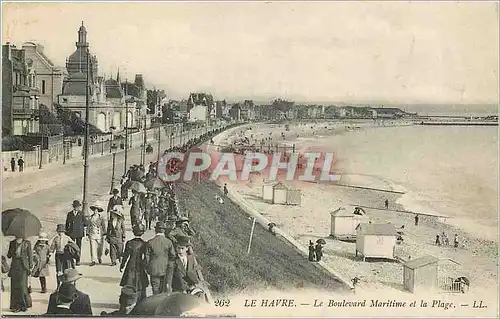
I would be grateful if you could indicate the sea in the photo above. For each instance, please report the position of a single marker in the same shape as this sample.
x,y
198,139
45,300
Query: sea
x,y
446,170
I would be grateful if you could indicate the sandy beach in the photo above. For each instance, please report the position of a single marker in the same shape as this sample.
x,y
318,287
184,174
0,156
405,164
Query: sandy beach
x,y
476,260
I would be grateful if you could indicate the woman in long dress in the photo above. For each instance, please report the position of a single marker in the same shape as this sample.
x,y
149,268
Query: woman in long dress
x,y
134,263
20,269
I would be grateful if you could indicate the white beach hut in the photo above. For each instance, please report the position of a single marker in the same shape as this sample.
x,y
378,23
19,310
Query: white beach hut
x,y
267,190
421,274
376,240
279,193
344,221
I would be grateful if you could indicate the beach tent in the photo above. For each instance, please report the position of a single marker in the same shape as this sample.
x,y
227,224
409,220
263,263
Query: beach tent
x,y
344,221
376,240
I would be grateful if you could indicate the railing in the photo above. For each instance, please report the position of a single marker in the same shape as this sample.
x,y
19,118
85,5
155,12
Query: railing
x,y
449,285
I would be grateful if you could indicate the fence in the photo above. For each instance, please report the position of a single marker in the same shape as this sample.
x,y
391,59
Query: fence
x,y
448,284
56,152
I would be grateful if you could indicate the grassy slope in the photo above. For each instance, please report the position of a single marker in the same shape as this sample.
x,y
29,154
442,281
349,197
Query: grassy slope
x,y
221,245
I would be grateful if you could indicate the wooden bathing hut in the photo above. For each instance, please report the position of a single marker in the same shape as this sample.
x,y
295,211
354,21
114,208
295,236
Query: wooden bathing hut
x,y
279,193
421,274
267,190
376,241
344,221
285,195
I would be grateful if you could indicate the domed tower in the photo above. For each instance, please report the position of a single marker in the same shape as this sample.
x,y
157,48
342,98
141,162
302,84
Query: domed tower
x,y
77,61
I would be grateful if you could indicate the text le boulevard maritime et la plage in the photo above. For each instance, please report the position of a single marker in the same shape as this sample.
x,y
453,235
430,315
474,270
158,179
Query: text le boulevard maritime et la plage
x,y
373,303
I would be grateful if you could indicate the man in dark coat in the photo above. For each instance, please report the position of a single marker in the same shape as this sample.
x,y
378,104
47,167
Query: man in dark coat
x,y
114,200
75,225
184,272
133,258
20,163
128,300
81,305
159,253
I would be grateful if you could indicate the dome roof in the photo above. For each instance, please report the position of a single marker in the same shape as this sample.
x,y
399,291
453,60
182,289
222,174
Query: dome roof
x,y
113,89
111,82
75,85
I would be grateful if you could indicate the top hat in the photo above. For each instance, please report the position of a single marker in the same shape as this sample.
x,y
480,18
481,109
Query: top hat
x,y
43,236
160,225
61,228
76,203
67,292
115,191
97,207
71,275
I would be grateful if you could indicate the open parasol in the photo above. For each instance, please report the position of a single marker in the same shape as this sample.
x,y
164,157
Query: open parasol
x,y
138,187
321,241
20,223
154,183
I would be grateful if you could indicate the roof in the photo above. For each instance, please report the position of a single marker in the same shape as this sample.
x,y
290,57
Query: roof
x,y
420,262
280,185
377,229
75,85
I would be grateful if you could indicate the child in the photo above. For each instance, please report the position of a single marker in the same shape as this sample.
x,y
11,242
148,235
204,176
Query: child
x,y
41,249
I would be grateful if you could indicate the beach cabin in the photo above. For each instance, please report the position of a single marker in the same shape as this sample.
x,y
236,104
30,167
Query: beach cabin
x,y
421,274
279,193
344,222
293,196
376,240
267,191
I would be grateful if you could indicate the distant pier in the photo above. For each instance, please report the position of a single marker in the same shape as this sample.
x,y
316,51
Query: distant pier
x,y
459,123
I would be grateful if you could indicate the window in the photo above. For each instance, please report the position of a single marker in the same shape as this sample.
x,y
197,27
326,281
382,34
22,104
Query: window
x,y
43,86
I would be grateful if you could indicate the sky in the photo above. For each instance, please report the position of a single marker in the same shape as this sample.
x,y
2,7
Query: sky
x,y
359,52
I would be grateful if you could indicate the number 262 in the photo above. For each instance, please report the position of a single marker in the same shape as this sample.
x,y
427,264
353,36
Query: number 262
x,y
222,302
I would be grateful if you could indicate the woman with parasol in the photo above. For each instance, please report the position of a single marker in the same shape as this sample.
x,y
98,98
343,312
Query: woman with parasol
x,y
21,224
319,248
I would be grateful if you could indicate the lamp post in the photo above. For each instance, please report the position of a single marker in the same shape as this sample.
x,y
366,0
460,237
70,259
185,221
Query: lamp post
x,y
111,129
113,148
144,140
86,141
126,129
171,139
159,145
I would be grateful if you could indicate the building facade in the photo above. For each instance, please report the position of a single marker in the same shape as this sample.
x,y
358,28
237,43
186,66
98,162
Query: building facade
x,y
108,110
49,77
20,96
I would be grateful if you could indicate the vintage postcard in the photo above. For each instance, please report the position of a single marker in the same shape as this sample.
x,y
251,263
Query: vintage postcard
x,y
250,159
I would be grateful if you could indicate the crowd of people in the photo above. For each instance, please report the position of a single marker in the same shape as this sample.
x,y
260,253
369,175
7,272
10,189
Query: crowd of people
x,y
166,262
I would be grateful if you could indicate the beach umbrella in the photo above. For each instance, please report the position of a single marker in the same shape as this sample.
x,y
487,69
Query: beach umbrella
x,y
321,241
154,183
20,223
138,187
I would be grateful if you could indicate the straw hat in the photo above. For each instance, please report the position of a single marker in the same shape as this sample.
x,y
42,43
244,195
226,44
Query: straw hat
x,y
97,207
43,236
117,210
